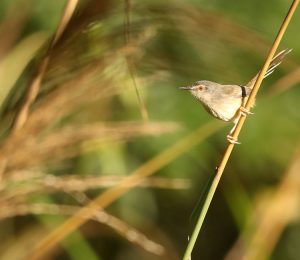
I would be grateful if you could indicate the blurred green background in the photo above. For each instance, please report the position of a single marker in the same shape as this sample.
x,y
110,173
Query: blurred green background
x,y
86,130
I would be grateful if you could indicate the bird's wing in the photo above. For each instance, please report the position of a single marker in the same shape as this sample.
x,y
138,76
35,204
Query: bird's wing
x,y
274,63
235,91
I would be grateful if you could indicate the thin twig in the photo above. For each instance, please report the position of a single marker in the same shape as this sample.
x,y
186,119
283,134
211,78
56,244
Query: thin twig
x,y
238,128
34,87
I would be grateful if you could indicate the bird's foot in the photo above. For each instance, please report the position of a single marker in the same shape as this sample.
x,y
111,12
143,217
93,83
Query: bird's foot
x,y
232,140
244,111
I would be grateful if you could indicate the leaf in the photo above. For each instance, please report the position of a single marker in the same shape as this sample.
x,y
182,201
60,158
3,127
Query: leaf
x,y
12,66
198,208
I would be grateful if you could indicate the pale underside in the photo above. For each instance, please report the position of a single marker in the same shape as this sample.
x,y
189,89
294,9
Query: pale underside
x,y
224,110
226,102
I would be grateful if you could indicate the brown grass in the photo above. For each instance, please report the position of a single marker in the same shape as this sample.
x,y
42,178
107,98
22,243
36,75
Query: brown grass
x,y
34,87
42,136
273,211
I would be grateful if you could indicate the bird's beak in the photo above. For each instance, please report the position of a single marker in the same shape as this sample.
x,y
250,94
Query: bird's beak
x,y
186,88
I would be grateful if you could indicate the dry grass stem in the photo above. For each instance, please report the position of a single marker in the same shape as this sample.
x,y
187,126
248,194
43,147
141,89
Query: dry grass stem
x,y
259,80
34,87
225,158
66,141
109,196
76,183
68,119
123,229
47,184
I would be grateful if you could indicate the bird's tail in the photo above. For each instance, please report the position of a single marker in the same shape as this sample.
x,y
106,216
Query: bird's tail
x,y
274,63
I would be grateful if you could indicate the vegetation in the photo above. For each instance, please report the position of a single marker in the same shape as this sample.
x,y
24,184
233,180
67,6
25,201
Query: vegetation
x,y
105,158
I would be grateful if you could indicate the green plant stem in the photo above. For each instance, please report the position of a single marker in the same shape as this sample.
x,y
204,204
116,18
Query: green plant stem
x,y
202,215
220,169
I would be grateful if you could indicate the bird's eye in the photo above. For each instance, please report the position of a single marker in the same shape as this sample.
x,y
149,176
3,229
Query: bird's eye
x,y
200,88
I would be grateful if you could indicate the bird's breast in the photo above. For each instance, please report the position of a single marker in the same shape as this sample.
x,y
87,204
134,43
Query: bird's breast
x,y
225,110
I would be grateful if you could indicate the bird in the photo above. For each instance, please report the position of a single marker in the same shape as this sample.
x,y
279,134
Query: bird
x,y
226,102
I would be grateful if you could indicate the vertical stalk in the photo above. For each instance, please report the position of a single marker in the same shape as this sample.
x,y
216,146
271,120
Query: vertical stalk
x,y
222,165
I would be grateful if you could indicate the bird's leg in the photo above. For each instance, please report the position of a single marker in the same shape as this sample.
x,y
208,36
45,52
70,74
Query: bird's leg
x,y
230,138
242,111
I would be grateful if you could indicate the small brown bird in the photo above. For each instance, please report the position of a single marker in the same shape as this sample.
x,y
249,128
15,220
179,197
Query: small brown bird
x,y
226,102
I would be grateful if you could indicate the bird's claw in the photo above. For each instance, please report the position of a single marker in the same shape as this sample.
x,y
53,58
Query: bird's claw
x,y
245,112
232,140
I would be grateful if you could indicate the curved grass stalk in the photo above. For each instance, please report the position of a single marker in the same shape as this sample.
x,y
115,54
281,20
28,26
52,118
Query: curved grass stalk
x,y
222,165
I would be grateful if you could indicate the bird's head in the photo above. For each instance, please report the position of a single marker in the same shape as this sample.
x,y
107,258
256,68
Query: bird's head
x,y
202,89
